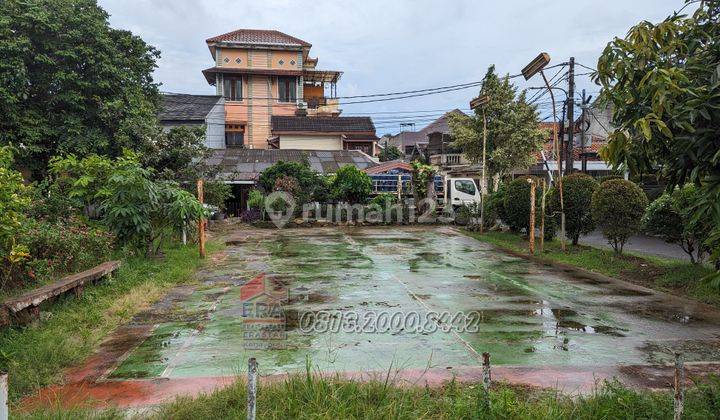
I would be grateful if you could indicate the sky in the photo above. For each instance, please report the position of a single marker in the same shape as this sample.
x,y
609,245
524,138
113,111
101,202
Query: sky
x,y
394,45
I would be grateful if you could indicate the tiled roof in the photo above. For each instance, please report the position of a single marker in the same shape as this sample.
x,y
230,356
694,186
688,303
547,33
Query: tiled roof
x,y
322,124
388,166
353,137
247,164
259,37
440,125
179,107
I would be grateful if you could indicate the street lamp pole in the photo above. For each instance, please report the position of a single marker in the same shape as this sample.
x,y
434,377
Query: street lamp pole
x,y
537,66
481,102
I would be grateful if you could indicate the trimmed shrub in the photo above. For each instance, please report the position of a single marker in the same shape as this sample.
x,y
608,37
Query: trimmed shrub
x,y
578,189
351,185
617,208
670,217
516,207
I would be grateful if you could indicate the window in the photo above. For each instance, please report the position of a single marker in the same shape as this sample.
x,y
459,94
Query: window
x,y
465,186
232,88
287,89
234,135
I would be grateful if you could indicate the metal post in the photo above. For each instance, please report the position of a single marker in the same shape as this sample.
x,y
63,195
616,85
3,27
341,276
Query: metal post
x,y
252,388
486,371
4,412
201,222
679,404
531,229
483,186
571,117
557,160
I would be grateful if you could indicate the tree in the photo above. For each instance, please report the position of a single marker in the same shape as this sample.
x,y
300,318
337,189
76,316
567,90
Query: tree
x,y
513,133
70,84
351,185
423,185
663,84
670,217
180,155
308,180
617,208
578,190
390,152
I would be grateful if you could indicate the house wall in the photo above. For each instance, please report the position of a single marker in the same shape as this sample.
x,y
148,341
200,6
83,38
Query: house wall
x,y
259,59
215,126
257,105
311,142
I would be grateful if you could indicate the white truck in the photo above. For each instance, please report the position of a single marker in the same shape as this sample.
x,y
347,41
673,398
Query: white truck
x,y
456,192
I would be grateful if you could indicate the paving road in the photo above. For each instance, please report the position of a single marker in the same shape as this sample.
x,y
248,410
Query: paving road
x,y
640,244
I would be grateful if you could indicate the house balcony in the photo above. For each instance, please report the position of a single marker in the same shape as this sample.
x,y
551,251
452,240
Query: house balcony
x,y
322,106
449,159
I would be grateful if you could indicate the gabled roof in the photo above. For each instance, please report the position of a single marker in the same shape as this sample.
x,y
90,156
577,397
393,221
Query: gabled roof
x,y
259,37
181,107
322,124
247,164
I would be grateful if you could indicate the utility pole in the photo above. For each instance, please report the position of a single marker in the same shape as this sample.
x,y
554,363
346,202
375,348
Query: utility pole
x,y
561,153
571,117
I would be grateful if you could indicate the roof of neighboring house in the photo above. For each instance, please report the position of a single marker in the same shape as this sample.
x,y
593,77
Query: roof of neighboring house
x,y
441,124
383,167
322,124
259,37
360,137
181,107
247,164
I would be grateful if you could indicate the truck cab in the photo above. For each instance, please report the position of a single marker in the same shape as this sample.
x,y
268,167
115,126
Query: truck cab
x,y
461,191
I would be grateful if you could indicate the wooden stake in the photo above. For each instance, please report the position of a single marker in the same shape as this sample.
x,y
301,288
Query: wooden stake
x,y
252,388
679,404
542,218
531,229
201,222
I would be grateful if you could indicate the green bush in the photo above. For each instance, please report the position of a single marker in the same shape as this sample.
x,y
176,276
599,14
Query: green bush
x,y
389,153
65,246
617,208
256,200
516,207
578,189
351,185
307,179
14,201
670,217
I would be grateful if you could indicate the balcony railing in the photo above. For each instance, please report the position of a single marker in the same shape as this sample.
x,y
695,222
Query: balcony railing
x,y
449,159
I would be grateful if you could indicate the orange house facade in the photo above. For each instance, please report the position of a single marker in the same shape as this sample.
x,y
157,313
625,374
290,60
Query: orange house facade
x,y
266,73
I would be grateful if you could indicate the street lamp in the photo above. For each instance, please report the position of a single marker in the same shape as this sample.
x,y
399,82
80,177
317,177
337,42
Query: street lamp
x,y
534,67
481,102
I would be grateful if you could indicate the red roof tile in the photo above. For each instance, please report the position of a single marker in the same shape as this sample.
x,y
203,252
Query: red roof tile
x,y
260,37
388,166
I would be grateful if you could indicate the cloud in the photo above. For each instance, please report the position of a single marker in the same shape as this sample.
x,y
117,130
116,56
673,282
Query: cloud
x,y
384,45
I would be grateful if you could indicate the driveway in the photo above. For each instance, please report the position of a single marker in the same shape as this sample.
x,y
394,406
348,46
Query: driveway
x,y
402,296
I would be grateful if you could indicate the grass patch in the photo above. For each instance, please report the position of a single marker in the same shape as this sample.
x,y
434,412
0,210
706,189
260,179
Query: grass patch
x,y
305,397
674,276
34,356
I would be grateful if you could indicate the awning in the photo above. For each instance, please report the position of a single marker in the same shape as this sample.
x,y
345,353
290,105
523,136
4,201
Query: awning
x,y
321,76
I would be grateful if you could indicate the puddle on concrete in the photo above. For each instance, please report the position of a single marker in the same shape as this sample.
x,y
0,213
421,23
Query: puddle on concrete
x,y
529,315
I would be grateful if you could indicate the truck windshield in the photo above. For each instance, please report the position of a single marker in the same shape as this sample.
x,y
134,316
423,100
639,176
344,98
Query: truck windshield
x,y
465,186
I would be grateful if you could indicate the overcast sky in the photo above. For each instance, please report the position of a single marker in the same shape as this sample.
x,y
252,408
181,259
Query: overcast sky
x,y
391,45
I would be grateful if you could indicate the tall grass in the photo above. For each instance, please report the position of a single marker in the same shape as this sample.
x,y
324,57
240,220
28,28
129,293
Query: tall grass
x,y
314,397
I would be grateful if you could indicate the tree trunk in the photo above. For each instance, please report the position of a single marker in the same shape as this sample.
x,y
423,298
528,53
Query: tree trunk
x,y
430,188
